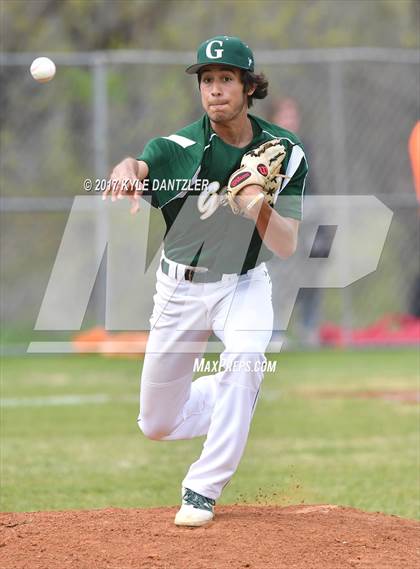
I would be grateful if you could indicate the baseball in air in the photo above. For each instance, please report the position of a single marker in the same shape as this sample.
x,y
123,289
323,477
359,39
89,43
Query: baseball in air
x,y
43,69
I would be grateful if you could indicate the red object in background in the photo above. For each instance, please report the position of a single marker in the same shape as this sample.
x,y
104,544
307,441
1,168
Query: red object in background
x,y
98,340
414,153
391,330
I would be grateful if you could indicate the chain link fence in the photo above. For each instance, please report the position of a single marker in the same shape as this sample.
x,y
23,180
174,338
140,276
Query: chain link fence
x,y
357,106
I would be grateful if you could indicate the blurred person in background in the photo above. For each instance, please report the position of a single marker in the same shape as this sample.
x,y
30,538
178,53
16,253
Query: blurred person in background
x,y
287,114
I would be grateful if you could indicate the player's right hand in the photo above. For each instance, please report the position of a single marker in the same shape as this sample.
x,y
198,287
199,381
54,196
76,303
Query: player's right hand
x,y
125,181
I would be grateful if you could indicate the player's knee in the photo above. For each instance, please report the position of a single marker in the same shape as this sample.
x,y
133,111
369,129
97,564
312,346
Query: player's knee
x,y
250,346
152,430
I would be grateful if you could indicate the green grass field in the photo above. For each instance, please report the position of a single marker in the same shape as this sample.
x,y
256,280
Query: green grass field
x,y
62,452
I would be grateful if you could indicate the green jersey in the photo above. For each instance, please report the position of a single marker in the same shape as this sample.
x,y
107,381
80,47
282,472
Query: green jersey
x,y
223,242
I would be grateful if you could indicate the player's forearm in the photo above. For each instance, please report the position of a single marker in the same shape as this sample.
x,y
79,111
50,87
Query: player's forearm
x,y
278,233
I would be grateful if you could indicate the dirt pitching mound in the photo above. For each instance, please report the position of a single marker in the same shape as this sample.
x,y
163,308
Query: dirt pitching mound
x,y
264,537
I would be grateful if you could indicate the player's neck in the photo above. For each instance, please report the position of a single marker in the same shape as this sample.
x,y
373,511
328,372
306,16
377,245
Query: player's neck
x,y
236,132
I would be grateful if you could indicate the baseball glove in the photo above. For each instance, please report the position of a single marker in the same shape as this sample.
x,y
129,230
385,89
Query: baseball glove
x,y
260,166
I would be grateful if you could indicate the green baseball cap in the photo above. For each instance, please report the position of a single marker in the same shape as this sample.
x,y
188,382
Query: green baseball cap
x,y
223,50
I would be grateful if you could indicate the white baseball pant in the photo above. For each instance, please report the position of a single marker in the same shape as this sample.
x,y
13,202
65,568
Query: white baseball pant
x,y
239,311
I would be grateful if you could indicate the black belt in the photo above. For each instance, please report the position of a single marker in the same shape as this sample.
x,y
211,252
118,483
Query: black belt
x,y
197,276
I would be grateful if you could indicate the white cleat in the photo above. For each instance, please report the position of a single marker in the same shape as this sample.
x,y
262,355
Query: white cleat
x,y
190,516
196,510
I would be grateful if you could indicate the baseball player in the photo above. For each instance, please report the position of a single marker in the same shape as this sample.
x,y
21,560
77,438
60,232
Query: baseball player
x,y
242,203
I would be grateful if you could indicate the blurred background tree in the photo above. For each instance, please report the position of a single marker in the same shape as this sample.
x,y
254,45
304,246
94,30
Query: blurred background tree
x,y
48,131
84,25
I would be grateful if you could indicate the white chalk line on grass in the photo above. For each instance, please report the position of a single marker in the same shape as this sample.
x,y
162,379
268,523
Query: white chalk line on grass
x,y
99,398
96,399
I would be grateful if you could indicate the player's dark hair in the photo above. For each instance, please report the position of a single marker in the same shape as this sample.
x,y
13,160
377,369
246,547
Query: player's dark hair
x,y
249,79
259,80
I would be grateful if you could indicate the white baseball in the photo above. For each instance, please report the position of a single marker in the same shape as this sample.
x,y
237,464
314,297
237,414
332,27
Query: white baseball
x,y
42,69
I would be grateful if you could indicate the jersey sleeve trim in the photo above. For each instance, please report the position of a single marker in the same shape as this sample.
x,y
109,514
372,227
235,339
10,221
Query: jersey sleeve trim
x,y
292,166
180,140
289,202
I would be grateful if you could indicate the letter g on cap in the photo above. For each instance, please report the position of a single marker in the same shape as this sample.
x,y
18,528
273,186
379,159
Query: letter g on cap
x,y
216,53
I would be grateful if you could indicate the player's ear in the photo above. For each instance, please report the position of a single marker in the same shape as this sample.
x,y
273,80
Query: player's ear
x,y
249,85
